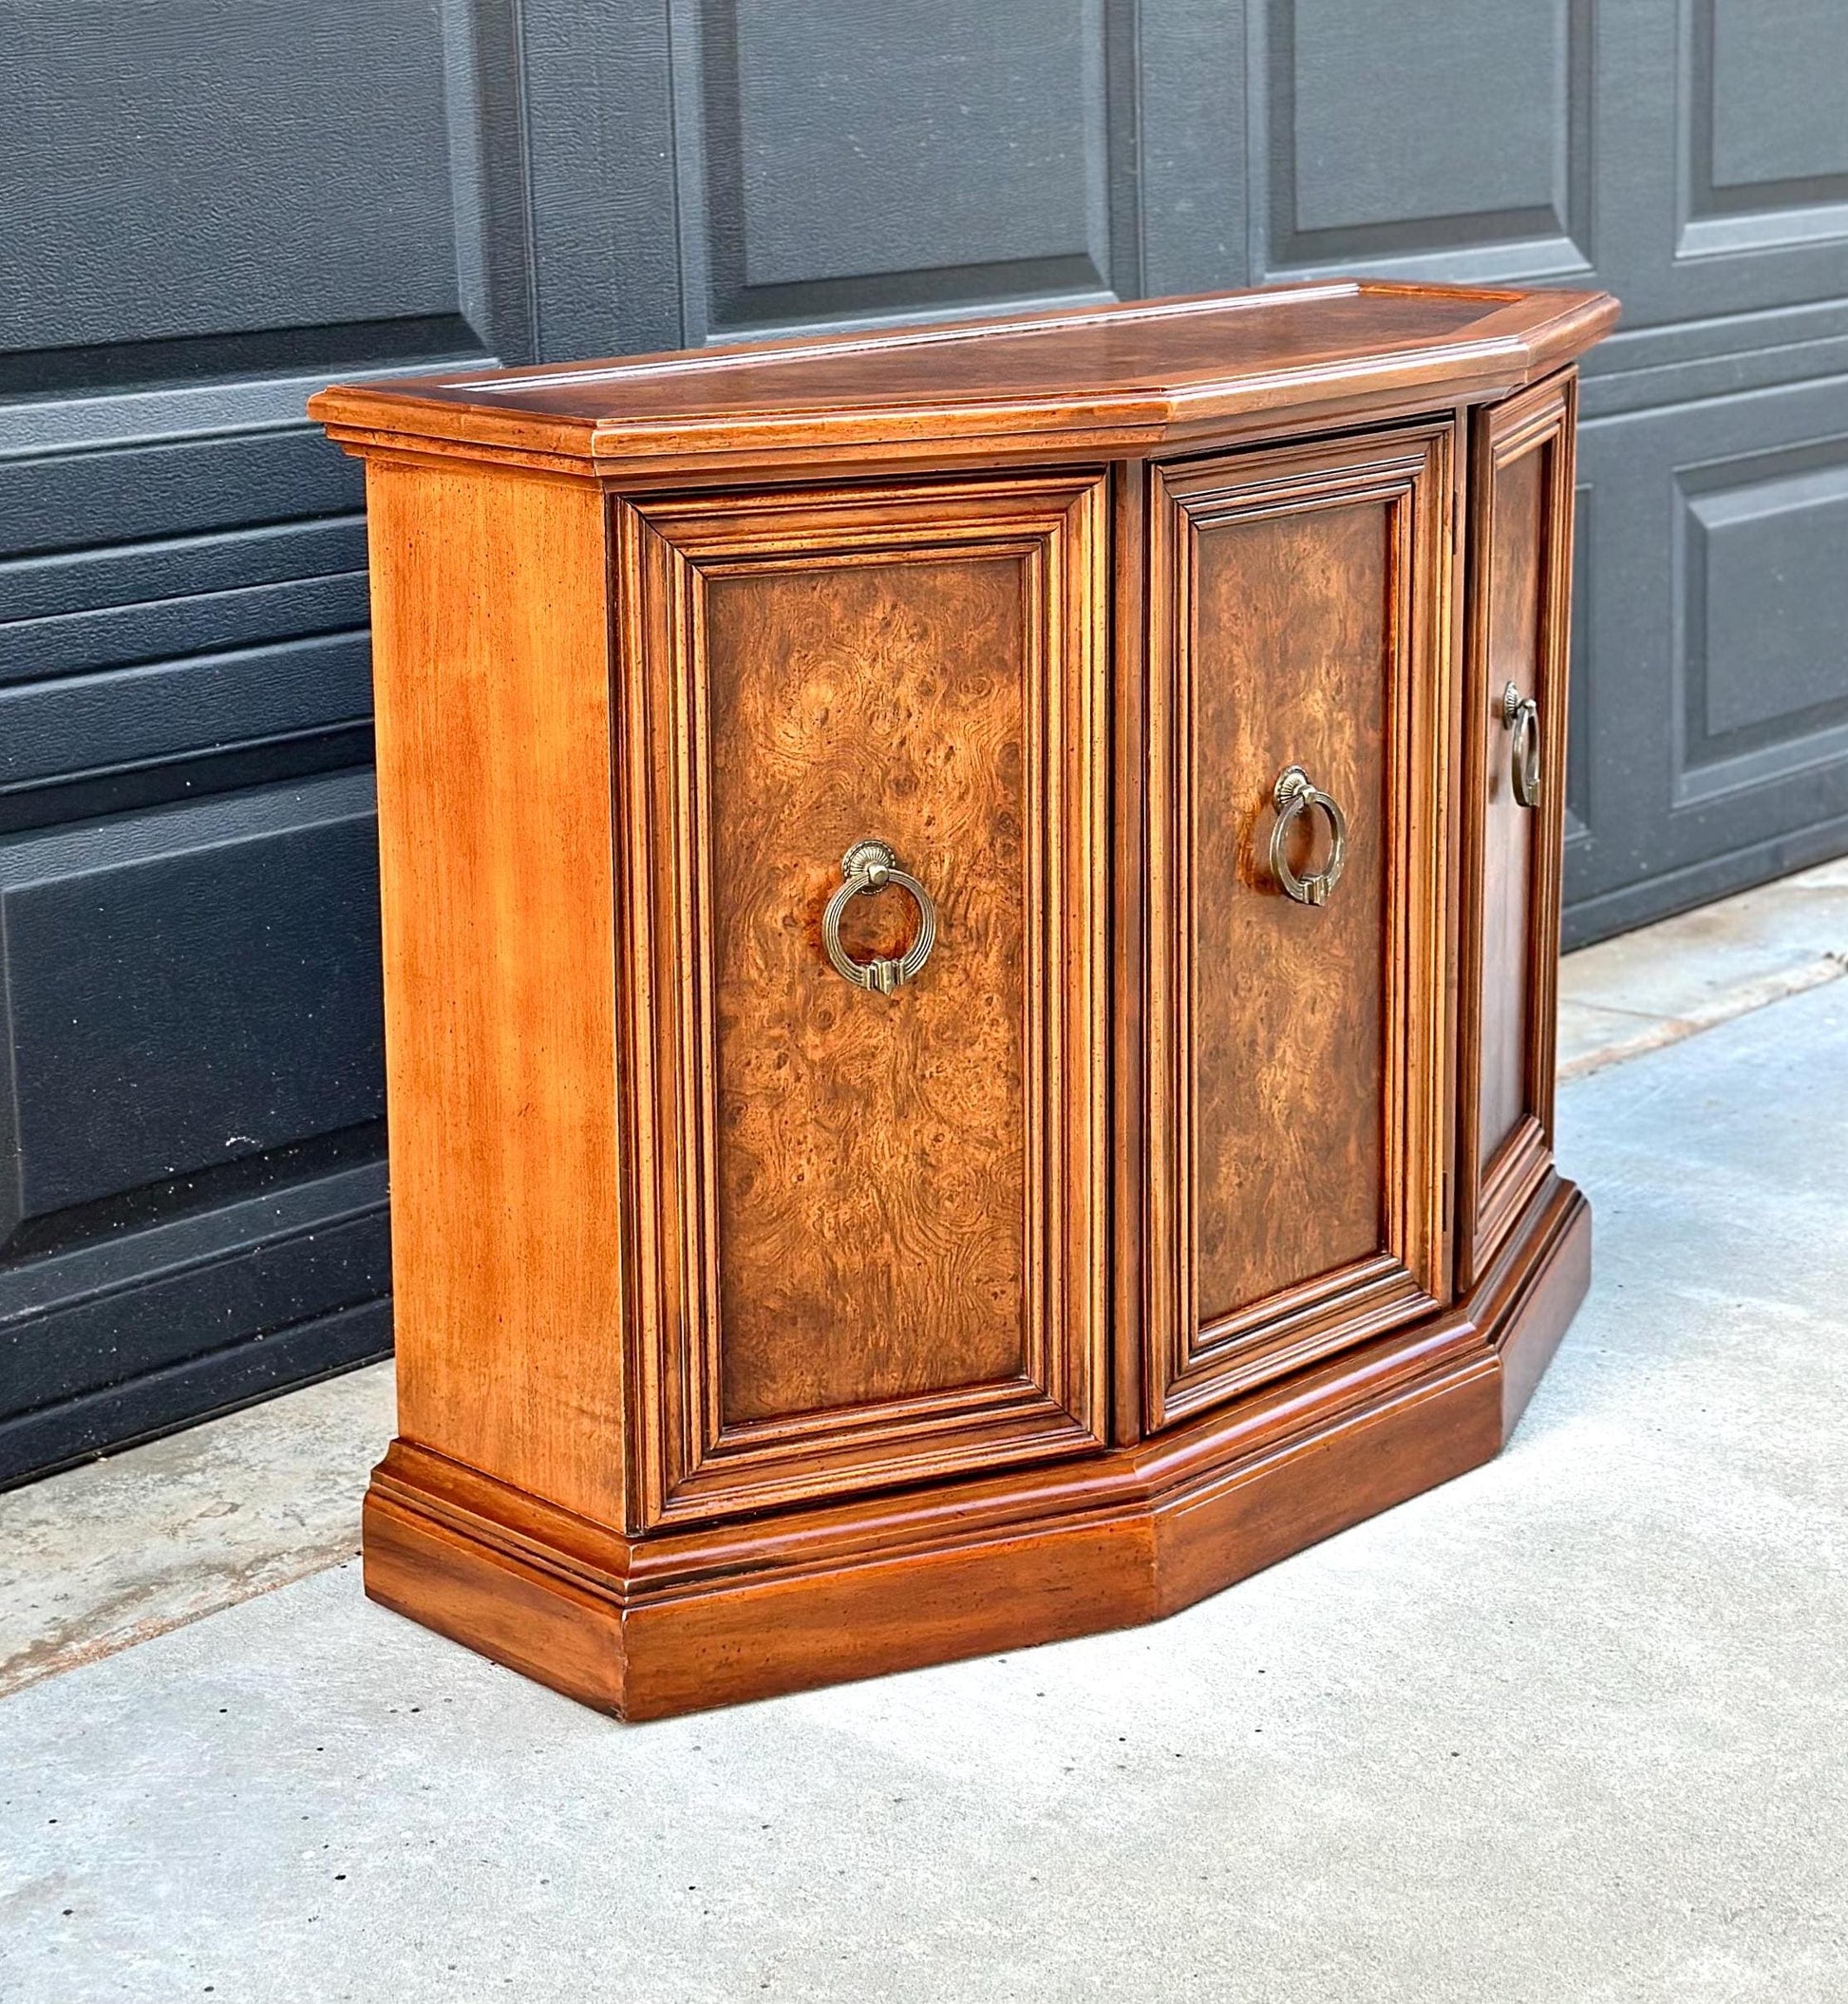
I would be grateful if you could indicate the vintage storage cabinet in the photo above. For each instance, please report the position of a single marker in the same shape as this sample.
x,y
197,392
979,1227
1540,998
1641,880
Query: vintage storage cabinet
x,y
969,919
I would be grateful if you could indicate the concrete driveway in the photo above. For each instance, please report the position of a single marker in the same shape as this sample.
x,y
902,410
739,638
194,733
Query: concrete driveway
x,y
1574,1727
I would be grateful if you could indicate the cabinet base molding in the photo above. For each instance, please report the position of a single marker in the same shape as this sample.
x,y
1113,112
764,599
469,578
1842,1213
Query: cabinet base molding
x,y
677,1621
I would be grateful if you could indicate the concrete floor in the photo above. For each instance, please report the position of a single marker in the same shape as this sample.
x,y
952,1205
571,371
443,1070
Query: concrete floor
x,y
120,1550
1670,980
1574,1727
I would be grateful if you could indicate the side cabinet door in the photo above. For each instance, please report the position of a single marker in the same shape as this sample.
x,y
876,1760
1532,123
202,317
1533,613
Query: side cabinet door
x,y
1300,613
864,1208
1515,725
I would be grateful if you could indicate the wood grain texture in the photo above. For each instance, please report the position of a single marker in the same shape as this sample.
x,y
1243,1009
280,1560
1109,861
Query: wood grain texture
x,y
757,1330
1516,568
490,643
1137,1038
871,1151
1290,663
720,1613
526,1616
880,1239
1117,381
1299,612
1519,626
1531,1290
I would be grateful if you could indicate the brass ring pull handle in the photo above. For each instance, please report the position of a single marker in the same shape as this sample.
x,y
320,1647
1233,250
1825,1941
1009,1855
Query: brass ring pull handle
x,y
870,866
1521,715
1295,794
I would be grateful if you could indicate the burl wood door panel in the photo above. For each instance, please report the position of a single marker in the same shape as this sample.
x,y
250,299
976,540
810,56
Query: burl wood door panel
x,y
1299,614
886,1258
1518,627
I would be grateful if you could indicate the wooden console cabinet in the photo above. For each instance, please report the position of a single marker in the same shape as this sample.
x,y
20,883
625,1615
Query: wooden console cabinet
x,y
970,925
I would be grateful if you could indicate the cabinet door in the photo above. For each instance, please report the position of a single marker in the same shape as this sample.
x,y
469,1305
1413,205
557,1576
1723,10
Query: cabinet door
x,y
1300,612
865,1206
1515,725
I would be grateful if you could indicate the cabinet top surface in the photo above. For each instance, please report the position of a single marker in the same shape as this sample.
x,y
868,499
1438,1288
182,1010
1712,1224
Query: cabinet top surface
x,y
1116,377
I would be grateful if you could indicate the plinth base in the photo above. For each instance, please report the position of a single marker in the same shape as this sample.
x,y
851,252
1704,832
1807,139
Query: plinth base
x,y
649,1627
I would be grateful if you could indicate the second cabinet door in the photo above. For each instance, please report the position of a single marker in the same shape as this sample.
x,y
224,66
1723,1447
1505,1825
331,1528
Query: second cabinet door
x,y
1301,719
861,802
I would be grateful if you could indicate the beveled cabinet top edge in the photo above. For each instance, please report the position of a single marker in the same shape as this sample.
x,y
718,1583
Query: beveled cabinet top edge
x,y
1114,380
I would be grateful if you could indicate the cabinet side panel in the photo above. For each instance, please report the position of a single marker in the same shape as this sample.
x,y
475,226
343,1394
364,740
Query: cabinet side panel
x,y
491,660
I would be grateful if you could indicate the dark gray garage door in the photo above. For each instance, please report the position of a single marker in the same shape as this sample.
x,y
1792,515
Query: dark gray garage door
x,y
211,206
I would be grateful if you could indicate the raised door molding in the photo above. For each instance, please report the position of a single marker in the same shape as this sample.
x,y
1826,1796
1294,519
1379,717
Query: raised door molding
x,y
1340,1014
1518,623
925,664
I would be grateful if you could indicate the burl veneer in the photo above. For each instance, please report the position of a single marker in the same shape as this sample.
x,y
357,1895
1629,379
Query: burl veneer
x,y
970,935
